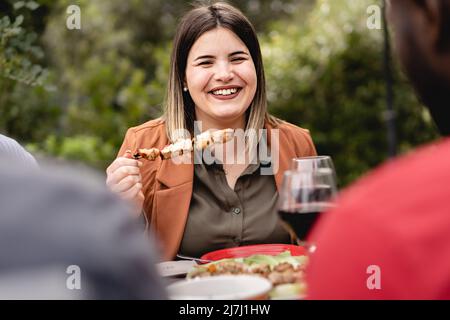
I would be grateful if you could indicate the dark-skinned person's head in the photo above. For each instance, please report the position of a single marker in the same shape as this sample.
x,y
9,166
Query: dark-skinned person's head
x,y
422,40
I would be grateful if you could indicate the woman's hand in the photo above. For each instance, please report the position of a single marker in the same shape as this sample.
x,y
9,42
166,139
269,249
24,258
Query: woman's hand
x,y
124,179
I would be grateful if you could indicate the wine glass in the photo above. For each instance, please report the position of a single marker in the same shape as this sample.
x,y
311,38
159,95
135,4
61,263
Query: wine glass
x,y
312,163
303,196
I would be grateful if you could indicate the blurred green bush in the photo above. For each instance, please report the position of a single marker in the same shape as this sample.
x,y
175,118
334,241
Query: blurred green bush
x,y
325,73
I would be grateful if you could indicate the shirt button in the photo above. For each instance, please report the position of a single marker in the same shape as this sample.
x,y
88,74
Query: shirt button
x,y
236,210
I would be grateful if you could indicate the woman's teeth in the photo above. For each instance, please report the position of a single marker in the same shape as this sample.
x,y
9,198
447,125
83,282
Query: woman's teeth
x,y
225,92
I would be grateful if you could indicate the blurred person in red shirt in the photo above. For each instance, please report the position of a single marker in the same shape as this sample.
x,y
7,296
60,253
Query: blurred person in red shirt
x,y
389,237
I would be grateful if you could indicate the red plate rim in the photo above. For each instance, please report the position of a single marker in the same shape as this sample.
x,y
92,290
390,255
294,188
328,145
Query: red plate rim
x,y
245,251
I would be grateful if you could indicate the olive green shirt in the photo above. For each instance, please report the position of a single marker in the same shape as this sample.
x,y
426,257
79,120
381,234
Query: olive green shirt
x,y
220,217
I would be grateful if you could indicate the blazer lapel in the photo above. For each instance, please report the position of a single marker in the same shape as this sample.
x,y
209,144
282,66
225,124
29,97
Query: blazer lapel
x,y
283,153
172,200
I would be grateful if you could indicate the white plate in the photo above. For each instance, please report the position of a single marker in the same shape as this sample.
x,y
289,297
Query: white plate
x,y
223,287
175,268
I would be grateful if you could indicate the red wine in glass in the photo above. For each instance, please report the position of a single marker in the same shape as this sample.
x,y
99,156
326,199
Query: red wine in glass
x,y
304,196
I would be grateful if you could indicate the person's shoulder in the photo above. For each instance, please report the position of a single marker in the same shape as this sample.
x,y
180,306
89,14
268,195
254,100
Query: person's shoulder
x,y
10,148
417,179
298,137
7,141
430,159
154,125
292,129
149,134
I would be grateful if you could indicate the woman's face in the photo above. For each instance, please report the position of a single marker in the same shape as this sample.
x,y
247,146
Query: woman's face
x,y
221,77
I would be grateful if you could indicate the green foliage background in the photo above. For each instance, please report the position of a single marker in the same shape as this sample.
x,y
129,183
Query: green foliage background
x,y
73,93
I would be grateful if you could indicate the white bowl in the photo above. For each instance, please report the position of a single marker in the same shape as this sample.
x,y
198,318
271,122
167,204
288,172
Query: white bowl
x,y
224,287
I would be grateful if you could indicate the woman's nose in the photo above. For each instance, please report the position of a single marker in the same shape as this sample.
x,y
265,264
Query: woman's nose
x,y
224,72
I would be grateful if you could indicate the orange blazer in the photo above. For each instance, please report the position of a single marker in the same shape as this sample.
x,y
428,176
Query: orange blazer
x,y
167,186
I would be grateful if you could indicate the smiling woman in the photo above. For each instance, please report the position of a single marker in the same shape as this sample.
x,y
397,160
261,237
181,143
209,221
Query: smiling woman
x,y
216,82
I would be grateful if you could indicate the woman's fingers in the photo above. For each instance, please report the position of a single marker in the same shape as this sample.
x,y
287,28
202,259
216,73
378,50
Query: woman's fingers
x,y
122,162
121,173
124,179
128,154
126,183
132,193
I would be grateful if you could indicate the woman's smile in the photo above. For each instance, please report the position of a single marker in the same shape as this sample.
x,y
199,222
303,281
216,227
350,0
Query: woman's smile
x,y
225,92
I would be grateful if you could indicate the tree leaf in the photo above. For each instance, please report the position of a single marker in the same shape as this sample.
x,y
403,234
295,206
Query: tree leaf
x,y
18,5
19,20
32,5
6,22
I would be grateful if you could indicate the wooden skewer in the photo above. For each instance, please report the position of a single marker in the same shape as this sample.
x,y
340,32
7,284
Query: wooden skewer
x,y
183,146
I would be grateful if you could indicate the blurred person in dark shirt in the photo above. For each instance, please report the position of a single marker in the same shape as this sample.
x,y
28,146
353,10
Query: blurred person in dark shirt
x,y
59,224
389,237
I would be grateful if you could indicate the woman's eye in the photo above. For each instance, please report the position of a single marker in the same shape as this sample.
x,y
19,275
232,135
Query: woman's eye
x,y
204,63
238,59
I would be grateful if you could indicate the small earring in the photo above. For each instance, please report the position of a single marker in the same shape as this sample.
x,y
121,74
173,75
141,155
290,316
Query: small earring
x,y
185,89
